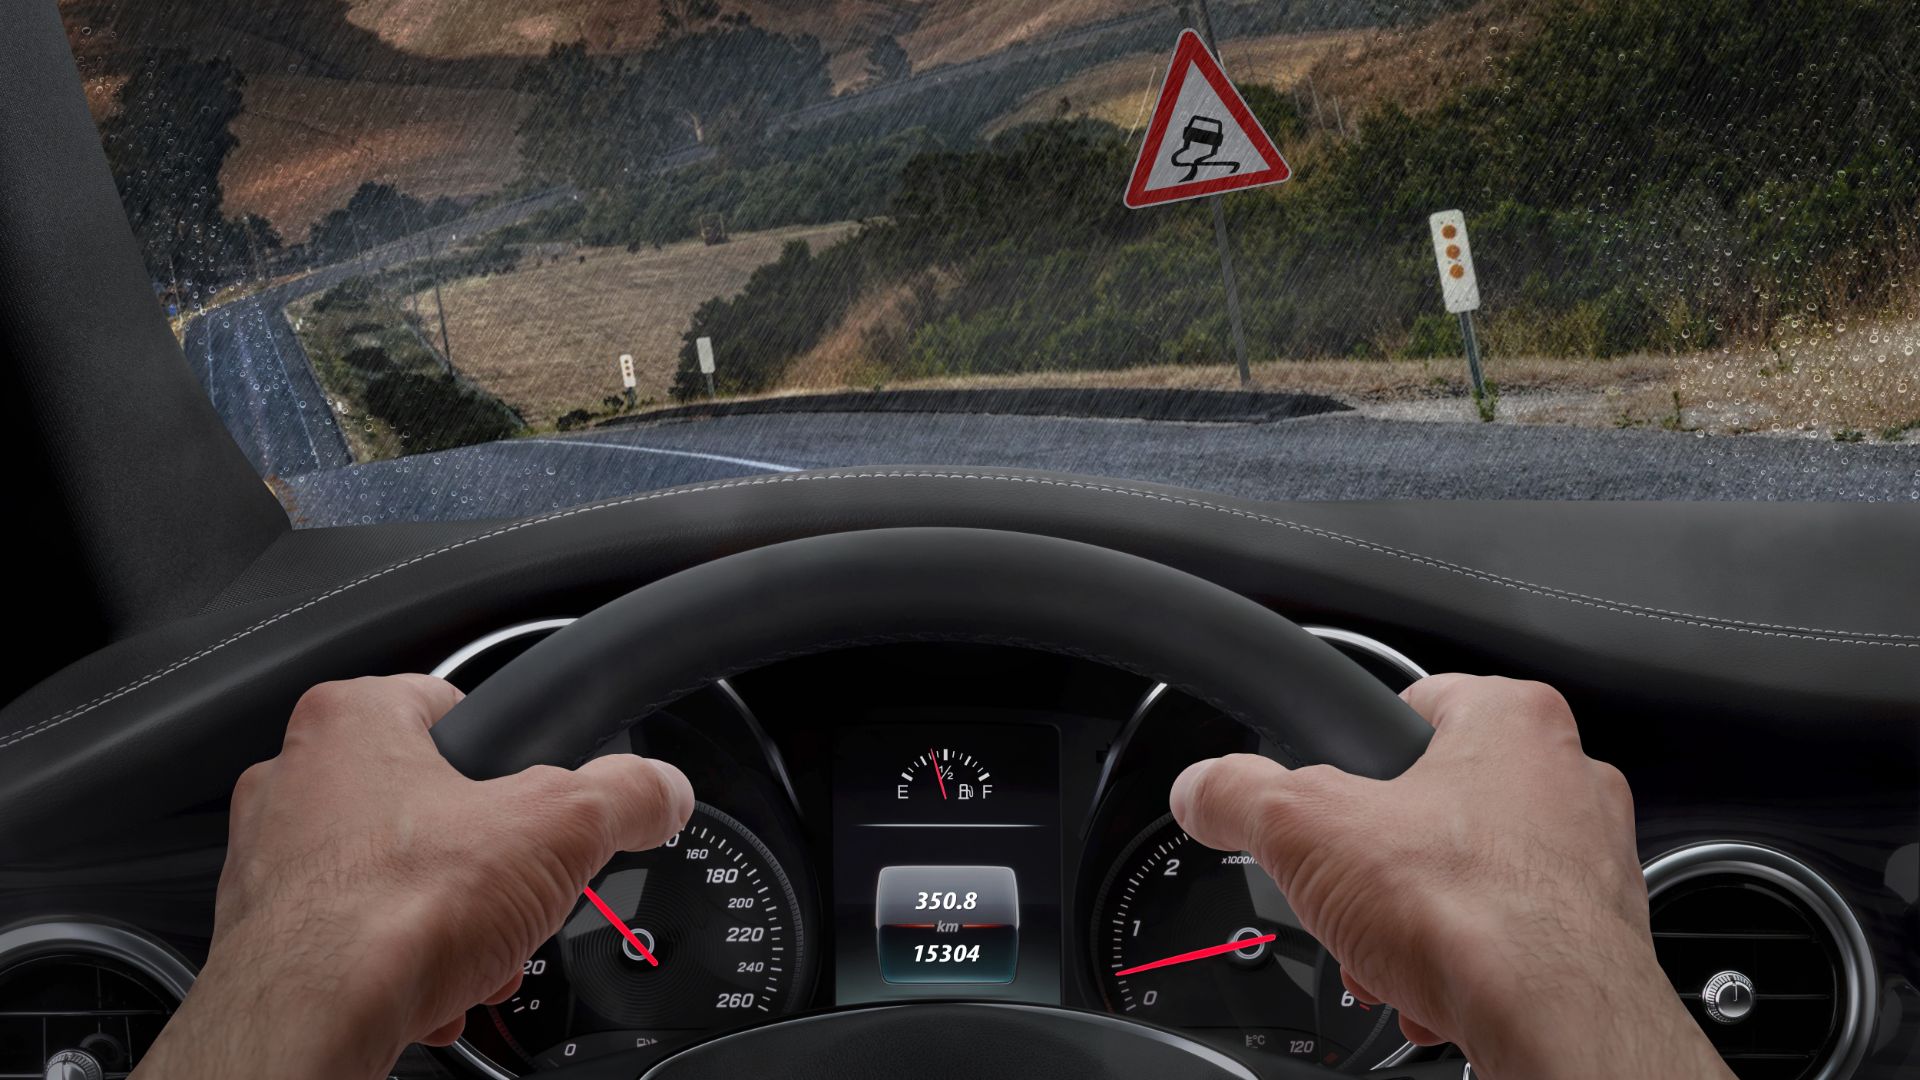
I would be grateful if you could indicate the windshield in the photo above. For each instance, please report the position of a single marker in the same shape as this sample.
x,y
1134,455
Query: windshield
x,y
439,259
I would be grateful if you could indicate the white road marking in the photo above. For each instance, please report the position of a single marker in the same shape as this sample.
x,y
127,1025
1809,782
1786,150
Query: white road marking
x,y
748,463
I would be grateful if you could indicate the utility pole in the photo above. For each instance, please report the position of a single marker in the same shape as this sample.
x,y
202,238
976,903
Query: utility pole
x,y
446,344
1227,276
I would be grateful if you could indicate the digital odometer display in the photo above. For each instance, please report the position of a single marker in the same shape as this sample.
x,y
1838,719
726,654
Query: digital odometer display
x,y
720,920
1202,940
946,861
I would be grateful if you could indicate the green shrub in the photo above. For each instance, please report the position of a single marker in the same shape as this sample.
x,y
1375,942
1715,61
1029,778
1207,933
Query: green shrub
x,y
437,412
1434,335
368,360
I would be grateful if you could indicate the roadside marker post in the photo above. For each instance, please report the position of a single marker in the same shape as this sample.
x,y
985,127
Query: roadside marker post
x,y
704,347
627,381
1220,147
1459,289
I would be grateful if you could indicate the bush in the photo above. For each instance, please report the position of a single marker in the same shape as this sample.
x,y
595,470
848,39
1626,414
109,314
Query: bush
x,y
353,294
1434,334
437,412
368,360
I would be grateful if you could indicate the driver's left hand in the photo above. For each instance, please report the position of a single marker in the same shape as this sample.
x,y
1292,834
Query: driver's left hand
x,y
372,894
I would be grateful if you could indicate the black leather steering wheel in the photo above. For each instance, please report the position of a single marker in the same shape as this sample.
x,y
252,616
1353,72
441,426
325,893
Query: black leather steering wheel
x,y
560,700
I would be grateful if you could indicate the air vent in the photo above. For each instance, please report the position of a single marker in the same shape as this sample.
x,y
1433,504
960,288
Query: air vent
x,y
96,989
1767,957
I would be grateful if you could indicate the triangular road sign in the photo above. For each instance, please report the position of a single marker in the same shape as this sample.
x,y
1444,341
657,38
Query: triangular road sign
x,y
1216,143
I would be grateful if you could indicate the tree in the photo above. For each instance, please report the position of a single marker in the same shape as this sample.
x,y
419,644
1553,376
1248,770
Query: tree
x,y
604,122
376,213
726,83
887,61
685,16
166,144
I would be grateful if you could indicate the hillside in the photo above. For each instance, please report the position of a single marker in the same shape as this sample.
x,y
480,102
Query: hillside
x,y
306,143
1620,163
417,93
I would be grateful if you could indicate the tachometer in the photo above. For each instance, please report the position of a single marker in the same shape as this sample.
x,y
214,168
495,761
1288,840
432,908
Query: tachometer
x,y
719,919
1202,940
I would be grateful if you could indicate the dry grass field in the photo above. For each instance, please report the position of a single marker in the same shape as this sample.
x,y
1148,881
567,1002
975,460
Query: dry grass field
x,y
546,339
1417,68
306,143
1121,91
938,32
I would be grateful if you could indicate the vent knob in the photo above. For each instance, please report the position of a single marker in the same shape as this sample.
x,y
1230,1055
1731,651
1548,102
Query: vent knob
x,y
73,1065
1728,997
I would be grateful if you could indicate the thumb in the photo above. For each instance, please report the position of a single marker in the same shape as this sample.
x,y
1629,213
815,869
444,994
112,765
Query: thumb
x,y
1245,802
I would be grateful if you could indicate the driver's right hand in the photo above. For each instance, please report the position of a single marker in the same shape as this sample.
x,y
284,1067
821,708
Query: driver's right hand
x,y
1492,893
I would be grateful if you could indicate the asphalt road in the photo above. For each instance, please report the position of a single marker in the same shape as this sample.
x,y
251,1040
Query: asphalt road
x,y
257,375
1340,456
260,382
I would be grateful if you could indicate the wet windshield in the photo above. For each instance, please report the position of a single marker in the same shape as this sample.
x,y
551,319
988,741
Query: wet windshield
x,y
441,259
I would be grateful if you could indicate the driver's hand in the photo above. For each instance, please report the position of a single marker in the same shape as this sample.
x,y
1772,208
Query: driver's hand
x,y
1492,894
372,894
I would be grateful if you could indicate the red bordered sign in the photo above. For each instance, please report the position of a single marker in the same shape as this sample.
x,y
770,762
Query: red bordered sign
x,y
1203,140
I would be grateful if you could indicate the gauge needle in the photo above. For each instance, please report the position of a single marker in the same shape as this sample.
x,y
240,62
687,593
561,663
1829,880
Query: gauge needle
x,y
931,756
1198,954
621,925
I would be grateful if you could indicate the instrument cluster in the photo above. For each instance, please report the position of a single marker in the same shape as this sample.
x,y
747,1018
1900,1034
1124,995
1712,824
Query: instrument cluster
x,y
926,822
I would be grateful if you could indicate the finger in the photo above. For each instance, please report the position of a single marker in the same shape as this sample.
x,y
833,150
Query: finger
x,y
1360,993
1485,708
370,710
1244,802
648,800
446,1034
1436,696
1418,1035
425,697
507,990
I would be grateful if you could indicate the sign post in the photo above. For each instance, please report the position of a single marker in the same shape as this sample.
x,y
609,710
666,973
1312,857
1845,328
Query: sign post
x,y
1459,288
704,346
1221,147
1221,239
626,377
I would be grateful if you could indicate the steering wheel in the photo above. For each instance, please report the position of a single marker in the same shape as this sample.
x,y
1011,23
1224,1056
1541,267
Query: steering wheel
x,y
560,700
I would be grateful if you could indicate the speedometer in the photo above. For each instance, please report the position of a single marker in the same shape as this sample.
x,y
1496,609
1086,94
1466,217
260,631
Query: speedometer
x,y
1203,941
715,942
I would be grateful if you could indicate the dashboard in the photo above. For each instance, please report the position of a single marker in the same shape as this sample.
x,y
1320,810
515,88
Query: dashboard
x,y
873,794
914,823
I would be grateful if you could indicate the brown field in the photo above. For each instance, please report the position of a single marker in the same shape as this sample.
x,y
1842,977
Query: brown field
x,y
454,29
546,338
1121,91
940,32
1417,68
951,31
305,144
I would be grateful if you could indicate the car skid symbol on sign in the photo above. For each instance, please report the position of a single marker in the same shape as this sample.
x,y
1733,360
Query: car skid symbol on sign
x,y
1203,139
1201,132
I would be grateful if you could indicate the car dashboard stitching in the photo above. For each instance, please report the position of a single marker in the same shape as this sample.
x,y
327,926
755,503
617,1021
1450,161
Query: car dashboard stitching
x,y
1834,637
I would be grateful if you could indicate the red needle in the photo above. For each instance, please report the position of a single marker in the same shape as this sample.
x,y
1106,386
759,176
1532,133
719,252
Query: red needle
x,y
620,925
1198,954
936,773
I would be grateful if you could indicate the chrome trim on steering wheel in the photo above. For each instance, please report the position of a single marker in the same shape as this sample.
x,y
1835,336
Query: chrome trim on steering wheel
x,y
1373,647
466,653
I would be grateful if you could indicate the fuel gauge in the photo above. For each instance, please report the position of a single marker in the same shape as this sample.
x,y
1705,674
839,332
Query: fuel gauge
x,y
944,775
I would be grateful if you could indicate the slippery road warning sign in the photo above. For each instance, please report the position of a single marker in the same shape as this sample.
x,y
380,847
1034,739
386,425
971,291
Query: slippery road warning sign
x,y
1203,139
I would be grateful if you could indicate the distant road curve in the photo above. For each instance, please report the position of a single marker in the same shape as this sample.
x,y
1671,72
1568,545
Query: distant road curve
x,y
258,376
